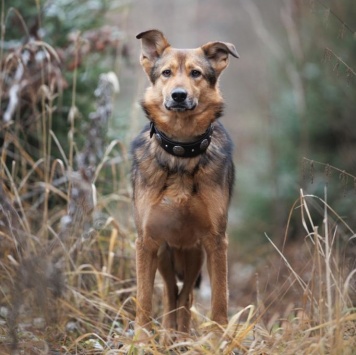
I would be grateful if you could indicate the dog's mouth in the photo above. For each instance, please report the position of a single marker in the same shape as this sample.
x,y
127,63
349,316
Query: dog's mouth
x,y
171,105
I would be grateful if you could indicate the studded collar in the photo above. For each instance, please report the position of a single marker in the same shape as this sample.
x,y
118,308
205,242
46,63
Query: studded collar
x,y
182,149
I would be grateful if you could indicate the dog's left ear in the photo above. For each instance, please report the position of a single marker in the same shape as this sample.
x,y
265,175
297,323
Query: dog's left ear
x,y
153,44
218,54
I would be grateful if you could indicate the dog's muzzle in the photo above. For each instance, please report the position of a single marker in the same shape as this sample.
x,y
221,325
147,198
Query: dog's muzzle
x,y
179,101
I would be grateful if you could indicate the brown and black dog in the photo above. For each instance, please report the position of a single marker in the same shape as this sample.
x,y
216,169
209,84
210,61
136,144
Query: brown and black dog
x,y
182,178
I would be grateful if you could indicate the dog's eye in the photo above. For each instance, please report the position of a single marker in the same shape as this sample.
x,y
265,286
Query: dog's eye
x,y
195,73
167,73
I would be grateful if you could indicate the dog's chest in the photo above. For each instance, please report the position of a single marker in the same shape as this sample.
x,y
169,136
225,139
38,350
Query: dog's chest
x,y
179,216
179,223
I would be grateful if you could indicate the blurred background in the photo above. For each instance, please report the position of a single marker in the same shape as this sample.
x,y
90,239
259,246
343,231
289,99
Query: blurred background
x,y
290,109
290,96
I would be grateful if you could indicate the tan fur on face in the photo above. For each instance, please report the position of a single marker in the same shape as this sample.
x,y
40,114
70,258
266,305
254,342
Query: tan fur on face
x,y
181,204
183,126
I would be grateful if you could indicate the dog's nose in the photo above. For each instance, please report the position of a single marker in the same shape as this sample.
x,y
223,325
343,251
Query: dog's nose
x,y
179,95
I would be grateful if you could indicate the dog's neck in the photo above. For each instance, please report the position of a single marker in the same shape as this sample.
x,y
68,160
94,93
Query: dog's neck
x,y
182,149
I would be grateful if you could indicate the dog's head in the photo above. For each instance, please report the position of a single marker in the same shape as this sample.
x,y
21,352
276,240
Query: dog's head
x,y
183,80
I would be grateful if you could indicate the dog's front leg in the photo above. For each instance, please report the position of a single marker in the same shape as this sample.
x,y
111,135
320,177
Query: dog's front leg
x,y
146,266
216,250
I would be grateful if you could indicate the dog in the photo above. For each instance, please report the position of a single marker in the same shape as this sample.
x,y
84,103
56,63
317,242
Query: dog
x,y
182,178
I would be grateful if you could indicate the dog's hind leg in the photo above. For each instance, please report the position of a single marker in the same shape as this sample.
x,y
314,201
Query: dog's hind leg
x,y
192,263
166,269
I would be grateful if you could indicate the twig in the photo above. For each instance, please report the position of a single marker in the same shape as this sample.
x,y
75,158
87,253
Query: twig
x,y
336,16
330,166
327,261
349,69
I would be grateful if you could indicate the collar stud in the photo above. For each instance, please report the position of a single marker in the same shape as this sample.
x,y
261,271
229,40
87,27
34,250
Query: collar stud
x,y
178,150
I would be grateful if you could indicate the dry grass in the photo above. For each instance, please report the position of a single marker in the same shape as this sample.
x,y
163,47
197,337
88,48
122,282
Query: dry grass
x,y
326,322
68,285
67,274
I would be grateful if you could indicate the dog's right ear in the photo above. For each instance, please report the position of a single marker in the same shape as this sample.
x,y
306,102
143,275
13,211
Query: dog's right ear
x,y
153,44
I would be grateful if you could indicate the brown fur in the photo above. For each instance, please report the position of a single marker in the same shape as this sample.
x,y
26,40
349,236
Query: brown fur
x,y
181,203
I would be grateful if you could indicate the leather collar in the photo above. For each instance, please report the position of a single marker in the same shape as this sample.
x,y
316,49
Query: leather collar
x,y
182,149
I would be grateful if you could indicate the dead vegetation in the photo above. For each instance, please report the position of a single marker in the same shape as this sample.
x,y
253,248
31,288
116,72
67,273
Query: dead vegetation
x,y
61,250
67,274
